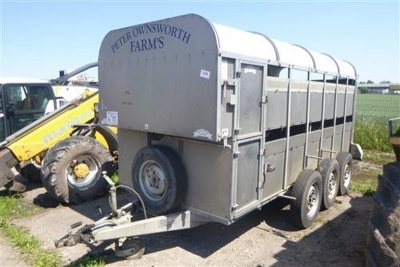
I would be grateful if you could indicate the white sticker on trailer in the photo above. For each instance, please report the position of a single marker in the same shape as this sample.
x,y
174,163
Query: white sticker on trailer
x,y
205,74
202,133
112,117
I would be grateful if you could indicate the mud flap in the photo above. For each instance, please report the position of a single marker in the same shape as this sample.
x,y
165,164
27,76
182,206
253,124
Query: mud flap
x,y
109,136
356,151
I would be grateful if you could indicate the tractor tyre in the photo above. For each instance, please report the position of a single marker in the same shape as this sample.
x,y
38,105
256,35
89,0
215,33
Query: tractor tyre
x,y
72,169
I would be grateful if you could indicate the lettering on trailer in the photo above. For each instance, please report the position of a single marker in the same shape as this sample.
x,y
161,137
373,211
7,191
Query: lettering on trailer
x,y
138,41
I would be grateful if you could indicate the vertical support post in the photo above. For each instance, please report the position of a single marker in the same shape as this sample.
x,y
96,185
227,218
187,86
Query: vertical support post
x,y
322,117
354,109
235,146
335,114
344,114
288,122
305,158
263,117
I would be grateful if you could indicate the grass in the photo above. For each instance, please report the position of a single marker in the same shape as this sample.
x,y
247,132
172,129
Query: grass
x,y
377,106
13,207
30,246
372,114
365,175
376,157
365,188
372,134
89,261
33,253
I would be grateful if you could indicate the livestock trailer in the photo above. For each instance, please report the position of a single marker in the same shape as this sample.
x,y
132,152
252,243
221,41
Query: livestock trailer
x,y
215,122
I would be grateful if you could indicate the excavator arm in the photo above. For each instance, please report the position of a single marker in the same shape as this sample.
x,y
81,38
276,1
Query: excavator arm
x,y
64,78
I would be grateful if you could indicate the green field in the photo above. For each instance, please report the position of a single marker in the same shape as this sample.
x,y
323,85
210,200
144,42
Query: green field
x,y
377,106
372,113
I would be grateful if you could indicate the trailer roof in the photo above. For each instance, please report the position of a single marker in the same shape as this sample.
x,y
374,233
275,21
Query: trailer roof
x,y
260,46
229,41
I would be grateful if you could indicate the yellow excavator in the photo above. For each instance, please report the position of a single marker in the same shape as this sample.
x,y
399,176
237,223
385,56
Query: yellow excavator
x,y
73,163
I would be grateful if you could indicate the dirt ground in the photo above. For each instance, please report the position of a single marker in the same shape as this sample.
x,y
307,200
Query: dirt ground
x,y
262,238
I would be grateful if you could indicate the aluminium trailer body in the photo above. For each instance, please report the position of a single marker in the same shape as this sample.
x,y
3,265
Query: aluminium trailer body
x,y
219,121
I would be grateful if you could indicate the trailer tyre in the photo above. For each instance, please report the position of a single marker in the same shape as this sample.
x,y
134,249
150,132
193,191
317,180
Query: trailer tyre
x,y
160,179
329,170
346,164
307,191
72,169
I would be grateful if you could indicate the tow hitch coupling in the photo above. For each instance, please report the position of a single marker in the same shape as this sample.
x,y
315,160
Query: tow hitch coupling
x,y
68,239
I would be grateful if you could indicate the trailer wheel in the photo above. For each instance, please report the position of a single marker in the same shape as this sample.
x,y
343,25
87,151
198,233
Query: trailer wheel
x,y
329,170
346,164
72,169
159,178
307,191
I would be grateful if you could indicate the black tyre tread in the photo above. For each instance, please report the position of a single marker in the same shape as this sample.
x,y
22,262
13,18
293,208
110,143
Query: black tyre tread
x,y
31,172
180,172
304,180
383,238
343,158
176,193
326,167
57,158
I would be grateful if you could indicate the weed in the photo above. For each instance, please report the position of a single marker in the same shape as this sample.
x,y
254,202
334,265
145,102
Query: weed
x,y
377,157
367,189
89,261
14,207
372,134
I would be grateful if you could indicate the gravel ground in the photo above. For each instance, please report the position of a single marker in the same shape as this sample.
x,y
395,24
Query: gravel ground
x,y
262,238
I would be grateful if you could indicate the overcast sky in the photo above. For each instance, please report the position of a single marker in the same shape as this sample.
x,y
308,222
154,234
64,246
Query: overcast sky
x,y
39,38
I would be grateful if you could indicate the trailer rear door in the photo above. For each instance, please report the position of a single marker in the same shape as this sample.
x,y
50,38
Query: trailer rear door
x,y
249,138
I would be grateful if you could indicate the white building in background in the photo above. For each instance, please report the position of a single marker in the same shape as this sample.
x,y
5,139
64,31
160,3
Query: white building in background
x,y
381,88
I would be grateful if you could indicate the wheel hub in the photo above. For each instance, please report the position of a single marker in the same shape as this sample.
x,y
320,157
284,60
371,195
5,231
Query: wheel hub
x,y
153,180
312,200
81,170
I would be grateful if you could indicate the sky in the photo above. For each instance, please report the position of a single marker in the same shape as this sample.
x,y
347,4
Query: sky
x,y
39,38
